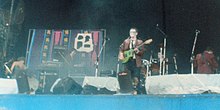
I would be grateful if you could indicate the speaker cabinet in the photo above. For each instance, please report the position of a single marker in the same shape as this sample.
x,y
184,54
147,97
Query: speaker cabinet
x,y
67,85
125,82
47,80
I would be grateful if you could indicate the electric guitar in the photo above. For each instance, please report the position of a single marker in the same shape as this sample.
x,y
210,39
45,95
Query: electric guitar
x,y
129,53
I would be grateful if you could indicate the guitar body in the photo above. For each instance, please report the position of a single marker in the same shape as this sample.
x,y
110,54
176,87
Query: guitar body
x,y
127,55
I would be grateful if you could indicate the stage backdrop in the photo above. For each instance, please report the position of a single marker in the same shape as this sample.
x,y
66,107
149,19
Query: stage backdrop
x,y
63,50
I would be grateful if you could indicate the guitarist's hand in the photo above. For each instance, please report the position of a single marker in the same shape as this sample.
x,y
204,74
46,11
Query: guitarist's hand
x,y
136,50
120,55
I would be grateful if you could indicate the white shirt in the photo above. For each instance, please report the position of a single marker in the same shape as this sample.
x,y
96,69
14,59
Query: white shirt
x,y
131,46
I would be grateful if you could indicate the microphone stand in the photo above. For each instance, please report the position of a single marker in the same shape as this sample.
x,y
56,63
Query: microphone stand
x,y
164,48
98,57
175,64
192,54
8,37
161,58
118,67
150,64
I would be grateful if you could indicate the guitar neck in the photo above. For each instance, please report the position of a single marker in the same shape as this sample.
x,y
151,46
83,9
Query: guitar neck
x,y
146,42
140,45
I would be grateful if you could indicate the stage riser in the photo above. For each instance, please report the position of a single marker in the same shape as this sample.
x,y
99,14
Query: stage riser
x,y
109,102
183,84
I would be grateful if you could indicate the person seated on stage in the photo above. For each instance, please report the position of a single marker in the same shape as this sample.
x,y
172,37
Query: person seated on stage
x,y
206,62
16,67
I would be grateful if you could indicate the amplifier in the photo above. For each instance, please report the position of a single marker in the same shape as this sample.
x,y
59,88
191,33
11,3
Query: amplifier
x,y
47,80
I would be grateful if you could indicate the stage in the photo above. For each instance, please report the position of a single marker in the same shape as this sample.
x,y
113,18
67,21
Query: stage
x,y
110,102
161,99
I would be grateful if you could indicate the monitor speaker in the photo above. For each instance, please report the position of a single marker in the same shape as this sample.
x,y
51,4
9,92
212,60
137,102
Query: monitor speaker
x,y
125,82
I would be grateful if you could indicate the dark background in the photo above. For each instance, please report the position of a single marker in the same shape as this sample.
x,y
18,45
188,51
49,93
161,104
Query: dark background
x,y
177,18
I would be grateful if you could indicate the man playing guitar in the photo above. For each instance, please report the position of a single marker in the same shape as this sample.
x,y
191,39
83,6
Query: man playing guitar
x,y
131,52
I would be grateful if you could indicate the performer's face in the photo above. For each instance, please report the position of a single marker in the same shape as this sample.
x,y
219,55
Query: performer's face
x,y
133,33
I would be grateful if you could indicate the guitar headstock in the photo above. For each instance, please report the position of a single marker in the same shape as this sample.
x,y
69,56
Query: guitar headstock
x,y
148,41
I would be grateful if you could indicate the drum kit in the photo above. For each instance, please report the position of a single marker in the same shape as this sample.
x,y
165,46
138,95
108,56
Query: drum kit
x,y
154,66
150,68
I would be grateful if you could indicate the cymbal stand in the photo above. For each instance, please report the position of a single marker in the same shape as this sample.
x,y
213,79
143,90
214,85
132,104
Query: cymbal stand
x,y
160,56
167,66
164,49
192,54
150,63
175,64
146,66
118,67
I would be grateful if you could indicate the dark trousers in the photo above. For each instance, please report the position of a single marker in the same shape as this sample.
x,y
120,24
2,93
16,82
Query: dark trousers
x,y
131,67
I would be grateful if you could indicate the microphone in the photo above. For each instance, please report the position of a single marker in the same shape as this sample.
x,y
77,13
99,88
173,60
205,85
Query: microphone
x,y
197,31
157,26
9,61
107,38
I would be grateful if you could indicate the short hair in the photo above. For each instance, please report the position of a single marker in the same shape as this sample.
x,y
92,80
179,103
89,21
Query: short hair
x,y
21,58
209,48
134,29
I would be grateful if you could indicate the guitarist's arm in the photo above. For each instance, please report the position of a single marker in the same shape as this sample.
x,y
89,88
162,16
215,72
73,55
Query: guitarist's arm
x,y
120,55
121,52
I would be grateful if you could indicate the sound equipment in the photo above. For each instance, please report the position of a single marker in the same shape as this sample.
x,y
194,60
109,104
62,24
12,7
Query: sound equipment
x,y
92,90
125,82
49,73
106,73
100,85
47,80
50,66
67,86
